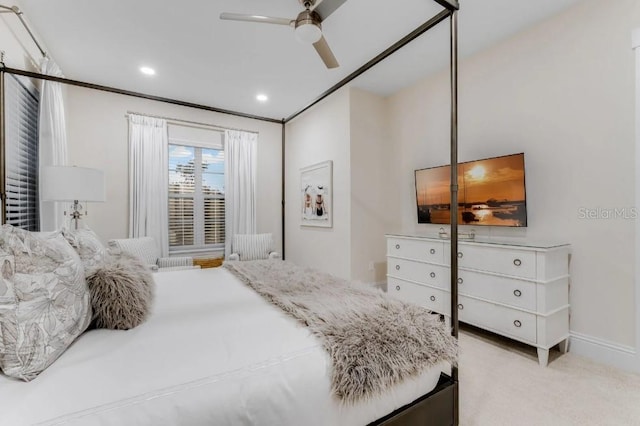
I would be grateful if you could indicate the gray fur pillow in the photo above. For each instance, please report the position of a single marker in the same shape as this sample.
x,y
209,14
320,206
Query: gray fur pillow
x,y
121,292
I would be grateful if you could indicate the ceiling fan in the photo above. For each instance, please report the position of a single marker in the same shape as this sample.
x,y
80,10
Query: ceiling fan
x,y
308,25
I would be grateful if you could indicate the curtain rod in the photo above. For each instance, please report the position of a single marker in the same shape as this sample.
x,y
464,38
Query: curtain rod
x,y
19,13
187,123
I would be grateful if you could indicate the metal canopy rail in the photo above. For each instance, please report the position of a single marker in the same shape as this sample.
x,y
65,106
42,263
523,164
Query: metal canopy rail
x,y
18,13
450,10
452,5
134,94
382,56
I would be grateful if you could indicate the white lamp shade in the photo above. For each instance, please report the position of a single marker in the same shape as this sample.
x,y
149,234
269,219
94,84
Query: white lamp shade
x,y
308,33
62,183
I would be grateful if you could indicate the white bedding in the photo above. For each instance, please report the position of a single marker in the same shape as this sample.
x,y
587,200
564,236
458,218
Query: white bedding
x,y
213,352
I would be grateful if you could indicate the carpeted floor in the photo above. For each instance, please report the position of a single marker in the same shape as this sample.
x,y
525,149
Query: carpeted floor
x,y
501,383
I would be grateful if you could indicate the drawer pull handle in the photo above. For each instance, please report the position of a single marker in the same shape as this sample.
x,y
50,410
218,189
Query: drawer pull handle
x,y
460,255
397,246
397,267
517,323
461,306
432,251
433,298
397,288
432,275
460,280
517,262
517,293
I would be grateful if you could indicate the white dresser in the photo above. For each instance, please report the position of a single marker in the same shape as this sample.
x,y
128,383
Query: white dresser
x,y
517,289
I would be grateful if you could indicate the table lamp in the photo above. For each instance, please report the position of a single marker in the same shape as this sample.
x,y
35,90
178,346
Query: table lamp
x,y
70,183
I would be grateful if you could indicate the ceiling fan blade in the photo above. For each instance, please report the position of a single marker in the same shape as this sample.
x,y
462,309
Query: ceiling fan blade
x,y
256,18
325,53
324,8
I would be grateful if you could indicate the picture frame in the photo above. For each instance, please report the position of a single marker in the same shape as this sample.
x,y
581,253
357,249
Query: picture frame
x,y
316,195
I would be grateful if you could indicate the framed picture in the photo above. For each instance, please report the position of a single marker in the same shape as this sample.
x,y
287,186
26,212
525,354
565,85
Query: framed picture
x,y
316,194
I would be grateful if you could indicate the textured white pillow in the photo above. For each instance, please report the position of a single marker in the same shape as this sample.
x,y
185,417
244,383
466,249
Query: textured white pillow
x,y
91,251
44,300
253,246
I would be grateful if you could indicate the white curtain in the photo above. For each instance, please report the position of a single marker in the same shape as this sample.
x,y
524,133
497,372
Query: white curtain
x,y
52,149
149,180
240,150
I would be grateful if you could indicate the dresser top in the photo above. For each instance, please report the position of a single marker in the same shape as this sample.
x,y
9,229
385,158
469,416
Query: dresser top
x,y
501,241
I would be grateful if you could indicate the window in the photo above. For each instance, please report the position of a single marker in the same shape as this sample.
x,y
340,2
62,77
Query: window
x,y
196,197
21,206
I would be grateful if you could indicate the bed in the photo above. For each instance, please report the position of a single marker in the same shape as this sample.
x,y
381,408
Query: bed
x,y
140,377
213,352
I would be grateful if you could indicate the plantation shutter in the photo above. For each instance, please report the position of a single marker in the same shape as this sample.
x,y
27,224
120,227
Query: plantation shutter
x,y
213,226
181,196
21,154
196,189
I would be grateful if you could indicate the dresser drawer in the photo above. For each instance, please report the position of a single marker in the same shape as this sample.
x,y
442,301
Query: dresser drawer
x,y
517,263
509,322
433,275
431,298
510,291
428,251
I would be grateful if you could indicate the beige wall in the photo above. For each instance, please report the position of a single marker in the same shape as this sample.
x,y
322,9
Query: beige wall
x,y
350,128
98,137
373,206
563,93
320,134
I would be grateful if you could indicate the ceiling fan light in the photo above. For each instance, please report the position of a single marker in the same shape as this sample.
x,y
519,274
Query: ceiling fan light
x,y
308,33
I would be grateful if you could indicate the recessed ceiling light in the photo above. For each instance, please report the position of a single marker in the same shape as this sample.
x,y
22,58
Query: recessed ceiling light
x,y
147,71
262,97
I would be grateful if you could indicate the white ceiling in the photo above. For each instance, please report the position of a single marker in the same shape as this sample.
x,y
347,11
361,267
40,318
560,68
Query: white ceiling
x,y
201,59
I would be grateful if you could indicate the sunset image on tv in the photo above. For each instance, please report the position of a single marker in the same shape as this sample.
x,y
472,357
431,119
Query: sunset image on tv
x,y
490,192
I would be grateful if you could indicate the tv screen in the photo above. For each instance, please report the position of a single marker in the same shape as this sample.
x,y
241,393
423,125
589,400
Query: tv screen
x,y
490,192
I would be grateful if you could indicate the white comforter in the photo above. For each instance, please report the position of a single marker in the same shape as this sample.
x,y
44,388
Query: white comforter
x,y
213,353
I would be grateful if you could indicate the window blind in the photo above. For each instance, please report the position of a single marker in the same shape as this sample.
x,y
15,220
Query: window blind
x,y
21,154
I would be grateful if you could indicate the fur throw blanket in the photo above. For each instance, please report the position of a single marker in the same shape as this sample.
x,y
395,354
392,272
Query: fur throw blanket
x,y
374,340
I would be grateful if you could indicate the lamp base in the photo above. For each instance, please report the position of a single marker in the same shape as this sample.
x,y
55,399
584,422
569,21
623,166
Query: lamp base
x,y
75,214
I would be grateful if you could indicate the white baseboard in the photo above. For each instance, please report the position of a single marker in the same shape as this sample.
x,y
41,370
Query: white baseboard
x,y
620,356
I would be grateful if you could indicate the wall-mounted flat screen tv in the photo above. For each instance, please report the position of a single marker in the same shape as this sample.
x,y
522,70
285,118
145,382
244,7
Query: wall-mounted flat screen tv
x,y
490,192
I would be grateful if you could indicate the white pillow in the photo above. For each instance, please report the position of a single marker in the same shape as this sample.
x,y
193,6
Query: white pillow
x,y
91,251
44,300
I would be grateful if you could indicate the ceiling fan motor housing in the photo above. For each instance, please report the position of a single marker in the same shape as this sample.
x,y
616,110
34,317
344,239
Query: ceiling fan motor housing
x,y
307,17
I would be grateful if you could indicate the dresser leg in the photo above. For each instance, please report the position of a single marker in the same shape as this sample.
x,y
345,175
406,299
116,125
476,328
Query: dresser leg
x,y
543,356
564,346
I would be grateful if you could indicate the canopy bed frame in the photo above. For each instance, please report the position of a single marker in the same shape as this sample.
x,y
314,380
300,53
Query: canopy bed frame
x,y
440,406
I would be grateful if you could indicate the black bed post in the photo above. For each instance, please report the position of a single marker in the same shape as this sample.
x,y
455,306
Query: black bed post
x,y
454,198
3,212
283,189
